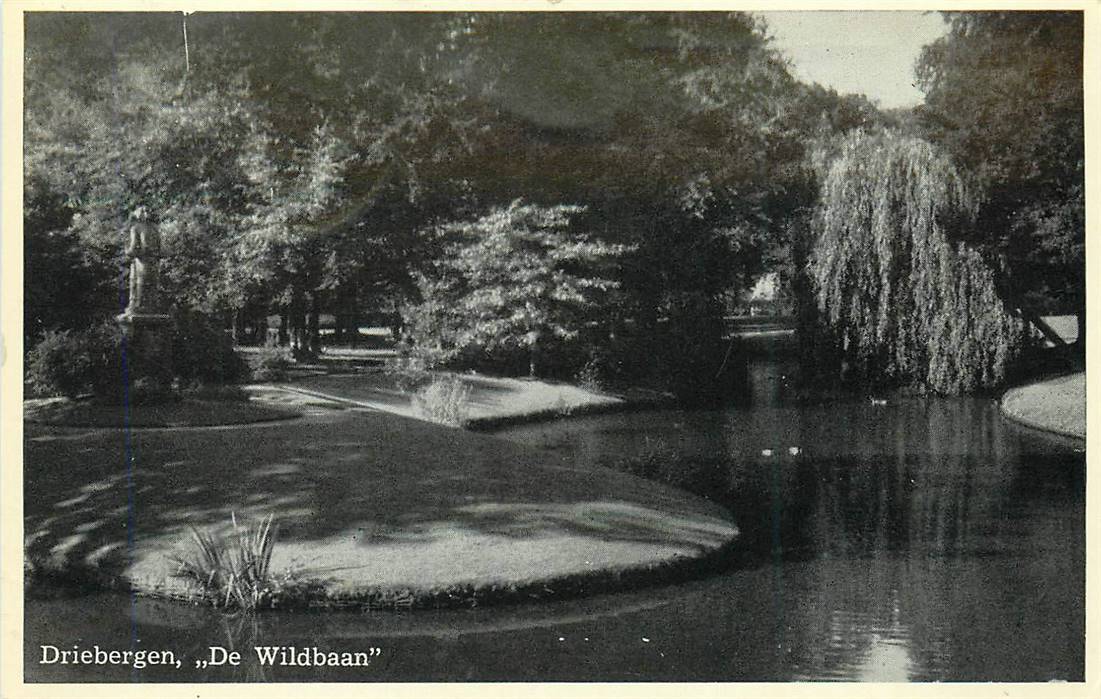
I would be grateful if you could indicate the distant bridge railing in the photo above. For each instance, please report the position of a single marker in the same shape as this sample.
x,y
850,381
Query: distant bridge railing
x,y
743,325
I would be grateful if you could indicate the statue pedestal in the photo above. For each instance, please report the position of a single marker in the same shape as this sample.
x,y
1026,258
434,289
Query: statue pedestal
x,y
148,349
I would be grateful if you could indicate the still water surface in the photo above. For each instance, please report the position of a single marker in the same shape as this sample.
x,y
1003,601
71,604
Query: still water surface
x,y
920,540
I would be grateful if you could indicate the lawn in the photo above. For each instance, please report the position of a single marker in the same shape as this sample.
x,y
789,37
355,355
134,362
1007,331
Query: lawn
x,y
367,504
1057,405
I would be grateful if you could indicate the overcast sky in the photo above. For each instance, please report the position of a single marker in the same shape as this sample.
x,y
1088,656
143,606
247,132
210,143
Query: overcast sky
x,y
865,52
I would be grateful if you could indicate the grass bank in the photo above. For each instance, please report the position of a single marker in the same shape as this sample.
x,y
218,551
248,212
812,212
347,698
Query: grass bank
x,y
373,510
1056,405
488,402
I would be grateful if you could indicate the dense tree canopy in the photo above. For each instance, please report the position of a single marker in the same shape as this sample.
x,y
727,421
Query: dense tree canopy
x,y
1004,95
293,160
343,163
262,154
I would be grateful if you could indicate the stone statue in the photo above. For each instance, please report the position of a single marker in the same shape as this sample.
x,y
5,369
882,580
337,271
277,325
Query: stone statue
x,y
143,252
148,329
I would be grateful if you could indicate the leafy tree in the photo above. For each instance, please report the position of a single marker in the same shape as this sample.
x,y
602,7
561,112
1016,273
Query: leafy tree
x,y
907,304
293,158
1004,95
822,118
60,281
510,281
112,123
679,132
264,158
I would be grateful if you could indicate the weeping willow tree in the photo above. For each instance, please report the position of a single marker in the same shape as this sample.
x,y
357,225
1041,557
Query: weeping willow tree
x,y
906,304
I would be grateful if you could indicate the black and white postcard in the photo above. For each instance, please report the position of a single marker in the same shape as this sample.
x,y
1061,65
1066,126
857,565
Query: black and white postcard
x,y
356,347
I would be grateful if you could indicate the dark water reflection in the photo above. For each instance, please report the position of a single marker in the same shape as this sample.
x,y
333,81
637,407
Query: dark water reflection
x,y
920,540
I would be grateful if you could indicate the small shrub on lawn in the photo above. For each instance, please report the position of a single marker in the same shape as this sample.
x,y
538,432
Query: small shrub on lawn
x,y
445,400
593,374
234,570
563,407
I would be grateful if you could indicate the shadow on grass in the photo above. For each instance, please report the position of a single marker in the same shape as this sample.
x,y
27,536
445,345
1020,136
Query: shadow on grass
x,y
95,503
186,412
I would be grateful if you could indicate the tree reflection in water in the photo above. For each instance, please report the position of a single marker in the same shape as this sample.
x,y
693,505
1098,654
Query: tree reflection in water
x,y
905,541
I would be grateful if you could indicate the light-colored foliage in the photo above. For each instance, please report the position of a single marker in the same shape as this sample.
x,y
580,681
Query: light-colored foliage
x,y
510,280
907,303
445,400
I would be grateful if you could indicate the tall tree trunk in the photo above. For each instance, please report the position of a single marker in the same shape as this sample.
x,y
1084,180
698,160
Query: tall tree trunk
x,y
298,325
314,331
235,324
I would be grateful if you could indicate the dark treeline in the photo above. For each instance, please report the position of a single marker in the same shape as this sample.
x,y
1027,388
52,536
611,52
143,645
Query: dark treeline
x,y
542,193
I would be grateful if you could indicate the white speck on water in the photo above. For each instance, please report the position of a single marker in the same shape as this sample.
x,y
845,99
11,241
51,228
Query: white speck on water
x,y
766,452
794,451
645,640
561,638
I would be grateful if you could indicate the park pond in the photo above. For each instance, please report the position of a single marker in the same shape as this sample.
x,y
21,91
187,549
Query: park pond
x,y
890,539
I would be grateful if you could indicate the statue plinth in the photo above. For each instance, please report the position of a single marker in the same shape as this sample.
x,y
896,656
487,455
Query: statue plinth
x,y
148,348
142,317
144,327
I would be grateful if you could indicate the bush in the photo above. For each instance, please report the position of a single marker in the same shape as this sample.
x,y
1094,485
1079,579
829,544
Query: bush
x,y
445,400
596,373
73,362
104,346
202,352
58,365
270,364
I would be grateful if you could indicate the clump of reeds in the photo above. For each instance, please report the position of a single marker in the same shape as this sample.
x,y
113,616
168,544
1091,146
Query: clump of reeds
x,y
445,400
233,569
